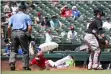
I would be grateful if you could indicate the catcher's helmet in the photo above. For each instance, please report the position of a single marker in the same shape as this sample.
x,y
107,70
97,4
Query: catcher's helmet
x,y
99,10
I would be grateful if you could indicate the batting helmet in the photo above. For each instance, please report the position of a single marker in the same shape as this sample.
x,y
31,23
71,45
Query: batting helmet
x,y
99,10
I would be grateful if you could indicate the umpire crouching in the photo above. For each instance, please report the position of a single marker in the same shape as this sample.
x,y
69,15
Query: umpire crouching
x,y
19,30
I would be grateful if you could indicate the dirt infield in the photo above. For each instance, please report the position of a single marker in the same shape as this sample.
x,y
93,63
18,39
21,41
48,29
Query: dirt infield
x,y
5,66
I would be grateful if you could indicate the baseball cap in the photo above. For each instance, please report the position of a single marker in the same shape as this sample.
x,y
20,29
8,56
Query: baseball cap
x,y
74,7
38,13
71,27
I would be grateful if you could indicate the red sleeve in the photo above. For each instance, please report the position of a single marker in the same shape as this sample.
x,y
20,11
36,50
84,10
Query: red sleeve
x,y
33,61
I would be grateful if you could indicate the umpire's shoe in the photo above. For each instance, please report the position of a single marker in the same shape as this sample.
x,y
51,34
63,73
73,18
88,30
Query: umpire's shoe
x,y
26,68
12,66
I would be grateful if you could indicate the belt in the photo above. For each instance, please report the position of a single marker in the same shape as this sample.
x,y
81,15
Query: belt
x,y
18,30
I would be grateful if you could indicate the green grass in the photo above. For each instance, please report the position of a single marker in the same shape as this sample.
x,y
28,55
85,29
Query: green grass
x,y
60,72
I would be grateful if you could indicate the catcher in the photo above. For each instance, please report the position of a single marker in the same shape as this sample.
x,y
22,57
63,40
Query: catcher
x,y
92,38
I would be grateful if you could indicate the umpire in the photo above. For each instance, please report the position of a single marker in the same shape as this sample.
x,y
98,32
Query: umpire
x,y
92,36
19,30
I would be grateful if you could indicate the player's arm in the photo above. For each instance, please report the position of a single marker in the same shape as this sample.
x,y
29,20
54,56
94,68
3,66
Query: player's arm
x,y
9,31
29,22
32,62
100,29
101,34
9,26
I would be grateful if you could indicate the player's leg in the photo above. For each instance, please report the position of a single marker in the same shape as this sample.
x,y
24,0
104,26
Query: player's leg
x,y
14,47
90,61
97,51
96,58
92,43
87,40
25,47
51,63
63,60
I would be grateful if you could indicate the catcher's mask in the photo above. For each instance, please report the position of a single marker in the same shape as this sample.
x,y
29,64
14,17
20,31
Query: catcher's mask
x,y
100,11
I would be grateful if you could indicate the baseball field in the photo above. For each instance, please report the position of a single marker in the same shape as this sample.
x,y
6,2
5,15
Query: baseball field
x,y
76,70
73,70
60,72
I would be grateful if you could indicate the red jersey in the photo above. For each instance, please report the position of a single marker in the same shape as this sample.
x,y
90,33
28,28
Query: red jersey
x,y
40,63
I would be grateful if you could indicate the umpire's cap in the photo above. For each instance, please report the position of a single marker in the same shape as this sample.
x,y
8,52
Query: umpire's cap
x,y
22,5
99,10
